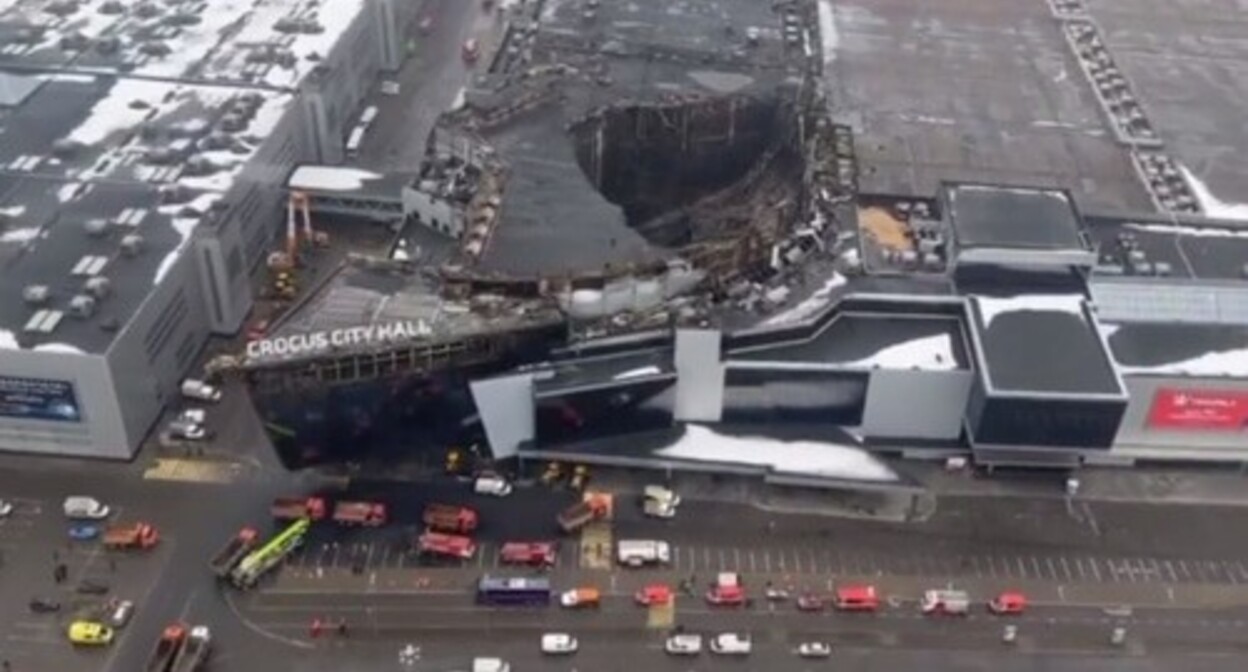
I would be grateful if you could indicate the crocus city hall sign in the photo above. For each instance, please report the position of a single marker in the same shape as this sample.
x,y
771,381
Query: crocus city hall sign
x,y
319,341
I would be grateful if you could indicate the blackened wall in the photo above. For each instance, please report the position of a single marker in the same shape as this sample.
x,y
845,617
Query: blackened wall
x,y
604,412
779,395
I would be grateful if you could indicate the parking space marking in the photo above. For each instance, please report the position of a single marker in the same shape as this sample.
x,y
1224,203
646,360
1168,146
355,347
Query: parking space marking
x,y
736,559
753,564
1096,570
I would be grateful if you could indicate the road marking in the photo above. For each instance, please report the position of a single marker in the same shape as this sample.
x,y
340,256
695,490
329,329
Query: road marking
x,y
797,560
814,565
1170,570
780,557
1096,570
992,566
706,557
753,564
975,564
1053,568
767,559
736,559
1186,572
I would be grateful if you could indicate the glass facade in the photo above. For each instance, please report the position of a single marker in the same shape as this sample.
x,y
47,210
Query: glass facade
x,y
802,397
604,412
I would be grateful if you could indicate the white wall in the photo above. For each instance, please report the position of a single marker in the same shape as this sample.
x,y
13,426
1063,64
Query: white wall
x,y
507,412
700,376
429,209
1136,439
100,433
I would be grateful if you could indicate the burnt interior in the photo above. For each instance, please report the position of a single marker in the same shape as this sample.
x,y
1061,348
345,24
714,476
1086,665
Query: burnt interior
x,y
656,161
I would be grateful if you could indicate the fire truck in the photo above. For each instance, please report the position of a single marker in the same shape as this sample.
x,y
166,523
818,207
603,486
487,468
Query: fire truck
x,y
540,554
446,545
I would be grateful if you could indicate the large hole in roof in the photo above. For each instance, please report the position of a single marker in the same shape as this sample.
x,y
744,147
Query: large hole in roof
x,y
654,160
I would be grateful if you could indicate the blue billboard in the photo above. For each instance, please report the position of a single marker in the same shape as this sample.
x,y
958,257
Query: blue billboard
x,y
38,399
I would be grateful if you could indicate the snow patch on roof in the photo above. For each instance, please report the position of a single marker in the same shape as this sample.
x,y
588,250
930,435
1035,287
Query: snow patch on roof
x,y
1223,363
1212,205
58,347
334,16
68,191
990,307
828,37
185,226
810,458
7,340
639,373
808,308
1195,231
114,114
932,353
330,178
13,211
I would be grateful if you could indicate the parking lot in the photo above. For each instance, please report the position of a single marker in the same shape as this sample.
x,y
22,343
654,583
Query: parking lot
x,y
34,540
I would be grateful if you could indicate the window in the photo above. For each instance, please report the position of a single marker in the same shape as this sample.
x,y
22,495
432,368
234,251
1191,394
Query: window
x,y
165,325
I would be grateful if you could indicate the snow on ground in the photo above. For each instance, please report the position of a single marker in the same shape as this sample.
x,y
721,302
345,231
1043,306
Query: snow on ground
x,y
828,38
990,307
113,114
933,353
330,178
808,308
20,235
7,340
701,444
638,373
13,211
68,191
196,43
459,98
1212,205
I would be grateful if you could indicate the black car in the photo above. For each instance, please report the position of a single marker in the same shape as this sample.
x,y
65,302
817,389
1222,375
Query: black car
x,y
40,605
90,587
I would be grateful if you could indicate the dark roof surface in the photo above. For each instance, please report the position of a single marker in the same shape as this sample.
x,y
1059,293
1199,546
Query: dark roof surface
x,y
990,216
869,340
1191,349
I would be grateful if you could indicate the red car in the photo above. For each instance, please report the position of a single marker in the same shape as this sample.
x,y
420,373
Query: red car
x,y
857,598
654,595
528,553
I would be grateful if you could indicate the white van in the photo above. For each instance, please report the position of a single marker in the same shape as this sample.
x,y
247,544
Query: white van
x,y
492,485
635,553
85,508
660,502
490,665
731,644
200,391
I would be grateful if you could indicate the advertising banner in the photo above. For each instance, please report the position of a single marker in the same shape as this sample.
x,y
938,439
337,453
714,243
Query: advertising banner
x,y
38,399
1222,410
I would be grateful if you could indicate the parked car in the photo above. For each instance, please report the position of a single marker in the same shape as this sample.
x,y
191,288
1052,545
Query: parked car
x,y
731,644
85,508
182,428
118,612
89,587
814,650
44,605
84,531
90,633
6,507
493,485
558,643
683,644
810,602
1008,603
200,391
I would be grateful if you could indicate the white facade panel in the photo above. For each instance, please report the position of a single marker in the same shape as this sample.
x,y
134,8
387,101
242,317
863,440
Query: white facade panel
x,y
1141,439
700,376
507,412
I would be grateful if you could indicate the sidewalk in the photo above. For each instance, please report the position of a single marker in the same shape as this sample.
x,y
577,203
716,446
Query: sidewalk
x,y
897,591
1213,486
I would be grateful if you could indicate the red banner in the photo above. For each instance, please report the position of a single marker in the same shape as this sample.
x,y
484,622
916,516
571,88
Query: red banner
x,y
1199,409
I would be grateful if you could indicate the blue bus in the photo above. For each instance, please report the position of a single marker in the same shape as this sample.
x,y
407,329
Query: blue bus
x,y
531,591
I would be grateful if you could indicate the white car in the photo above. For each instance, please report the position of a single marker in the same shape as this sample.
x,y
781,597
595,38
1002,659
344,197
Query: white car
x,y
558,643
6,508
185,429
731,644
119,612
85,508
814,650
683,645
492,485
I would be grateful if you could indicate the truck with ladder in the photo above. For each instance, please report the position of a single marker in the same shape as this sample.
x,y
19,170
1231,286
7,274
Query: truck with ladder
x,y
194,651
234,551
270,555
450,518
167,648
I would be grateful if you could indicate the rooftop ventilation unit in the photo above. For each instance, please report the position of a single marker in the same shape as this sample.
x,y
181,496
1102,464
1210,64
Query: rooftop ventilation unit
x,y
44,321
82,306
132,245
96,226
99,287
36,294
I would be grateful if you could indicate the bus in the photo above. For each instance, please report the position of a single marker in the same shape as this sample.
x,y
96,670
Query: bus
x,y
354,141
514,591
252,567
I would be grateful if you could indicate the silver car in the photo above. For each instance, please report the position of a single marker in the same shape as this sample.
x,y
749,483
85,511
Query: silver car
x,y
118,612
